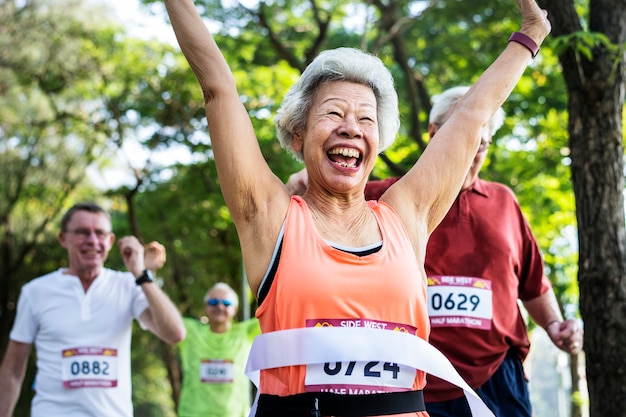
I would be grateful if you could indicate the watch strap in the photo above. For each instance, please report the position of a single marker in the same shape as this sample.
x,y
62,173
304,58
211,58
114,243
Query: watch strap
x,y
526,41
146,276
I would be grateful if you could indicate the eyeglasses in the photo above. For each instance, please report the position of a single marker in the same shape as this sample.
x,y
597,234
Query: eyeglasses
x,y
86,233
216,301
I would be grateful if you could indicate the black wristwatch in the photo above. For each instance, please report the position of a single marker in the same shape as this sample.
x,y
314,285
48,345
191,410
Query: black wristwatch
x,y
146,276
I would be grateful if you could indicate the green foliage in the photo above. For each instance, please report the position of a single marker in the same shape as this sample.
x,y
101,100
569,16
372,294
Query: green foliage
x,y
78,90
584,42
151,387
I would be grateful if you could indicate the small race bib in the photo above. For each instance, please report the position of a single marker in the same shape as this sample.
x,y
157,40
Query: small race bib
x,y
355,377
216,371
460,302
89,367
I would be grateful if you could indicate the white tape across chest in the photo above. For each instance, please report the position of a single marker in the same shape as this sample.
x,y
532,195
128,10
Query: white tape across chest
x,y
319,345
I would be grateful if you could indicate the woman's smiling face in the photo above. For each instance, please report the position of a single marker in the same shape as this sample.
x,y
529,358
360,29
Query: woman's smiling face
x,y
341,137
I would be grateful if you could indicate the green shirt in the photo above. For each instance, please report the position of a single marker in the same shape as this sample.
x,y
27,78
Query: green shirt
x,y
214,382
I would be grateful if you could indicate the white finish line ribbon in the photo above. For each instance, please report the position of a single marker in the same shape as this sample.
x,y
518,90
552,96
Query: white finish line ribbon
x,y
318,345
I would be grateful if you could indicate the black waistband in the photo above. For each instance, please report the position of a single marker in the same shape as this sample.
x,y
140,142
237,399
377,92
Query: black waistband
x,y
317,404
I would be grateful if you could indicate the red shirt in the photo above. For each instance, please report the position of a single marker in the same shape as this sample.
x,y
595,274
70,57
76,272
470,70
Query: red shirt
x,y
484,235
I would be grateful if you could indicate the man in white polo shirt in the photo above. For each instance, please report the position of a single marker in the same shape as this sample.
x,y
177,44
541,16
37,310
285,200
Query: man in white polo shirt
x,y
80,321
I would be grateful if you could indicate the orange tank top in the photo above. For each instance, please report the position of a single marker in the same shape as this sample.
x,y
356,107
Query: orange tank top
x,y
318,285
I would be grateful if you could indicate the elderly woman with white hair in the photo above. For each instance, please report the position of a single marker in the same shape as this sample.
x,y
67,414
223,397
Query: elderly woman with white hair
x,y
340,281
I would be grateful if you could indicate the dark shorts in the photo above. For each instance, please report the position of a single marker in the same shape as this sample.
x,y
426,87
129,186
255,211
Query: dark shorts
x,y
506,394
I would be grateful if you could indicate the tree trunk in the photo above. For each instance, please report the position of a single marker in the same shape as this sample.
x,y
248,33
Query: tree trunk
x,y
597,174
174,373
596,98
7,305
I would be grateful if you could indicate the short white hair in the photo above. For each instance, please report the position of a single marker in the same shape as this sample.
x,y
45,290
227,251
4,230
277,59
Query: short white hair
x,y
444,102
223,286
341,64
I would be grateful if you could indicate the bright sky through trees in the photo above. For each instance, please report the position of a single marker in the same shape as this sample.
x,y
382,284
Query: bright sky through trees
x,y
148,24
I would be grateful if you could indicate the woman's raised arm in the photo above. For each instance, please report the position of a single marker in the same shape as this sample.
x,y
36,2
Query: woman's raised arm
x,y
427,191
256,198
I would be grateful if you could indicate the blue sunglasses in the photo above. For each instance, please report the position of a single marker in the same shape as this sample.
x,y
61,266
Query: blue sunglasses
x,y
216,301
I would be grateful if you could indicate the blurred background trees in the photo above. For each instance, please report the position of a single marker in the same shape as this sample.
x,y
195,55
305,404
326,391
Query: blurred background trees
x,y
82,103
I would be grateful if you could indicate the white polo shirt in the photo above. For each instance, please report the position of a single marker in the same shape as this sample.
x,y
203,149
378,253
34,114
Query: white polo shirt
x,y
82,341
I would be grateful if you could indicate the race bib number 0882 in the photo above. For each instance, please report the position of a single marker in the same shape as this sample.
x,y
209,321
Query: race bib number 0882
x,y
89,367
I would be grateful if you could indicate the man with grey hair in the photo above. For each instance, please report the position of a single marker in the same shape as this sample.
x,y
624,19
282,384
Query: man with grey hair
x,y
79,320
213,357
480,260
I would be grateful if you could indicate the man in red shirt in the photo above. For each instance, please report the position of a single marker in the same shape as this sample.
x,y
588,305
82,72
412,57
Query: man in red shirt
x,y
480,260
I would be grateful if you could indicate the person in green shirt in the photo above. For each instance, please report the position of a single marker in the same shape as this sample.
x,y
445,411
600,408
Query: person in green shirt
x,y
213,358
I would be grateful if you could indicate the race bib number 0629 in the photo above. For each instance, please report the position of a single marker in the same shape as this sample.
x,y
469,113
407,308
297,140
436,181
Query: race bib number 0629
x,y
460,302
